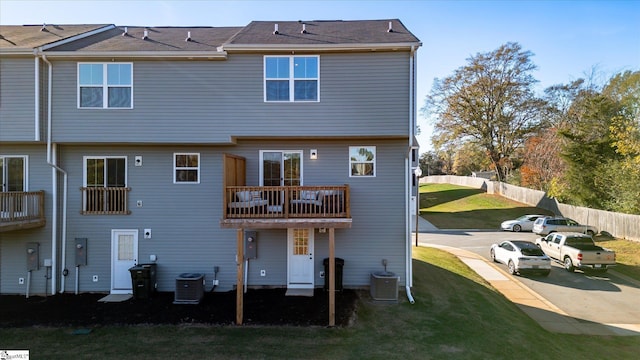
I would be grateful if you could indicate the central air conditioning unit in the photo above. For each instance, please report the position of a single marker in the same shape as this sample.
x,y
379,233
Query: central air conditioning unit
x,y
189,288
384,286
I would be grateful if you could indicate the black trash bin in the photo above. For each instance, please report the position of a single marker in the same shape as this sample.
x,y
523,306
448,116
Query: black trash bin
x,y
339,266
143,280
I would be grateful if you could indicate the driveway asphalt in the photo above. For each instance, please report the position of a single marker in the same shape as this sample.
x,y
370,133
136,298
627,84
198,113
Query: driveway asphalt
x,y
549,316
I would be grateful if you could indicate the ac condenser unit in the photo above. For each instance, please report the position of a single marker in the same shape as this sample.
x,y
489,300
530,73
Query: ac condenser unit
x,y
189,288
384,286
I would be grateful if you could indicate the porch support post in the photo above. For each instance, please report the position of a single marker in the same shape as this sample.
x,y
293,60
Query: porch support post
x,y
240,281
332,277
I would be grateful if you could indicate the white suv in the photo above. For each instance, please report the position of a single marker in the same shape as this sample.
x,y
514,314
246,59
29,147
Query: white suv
x,y
547,225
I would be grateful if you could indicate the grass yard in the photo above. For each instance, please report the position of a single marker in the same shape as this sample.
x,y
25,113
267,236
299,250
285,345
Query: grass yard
x,y
457,207
457,315
450,206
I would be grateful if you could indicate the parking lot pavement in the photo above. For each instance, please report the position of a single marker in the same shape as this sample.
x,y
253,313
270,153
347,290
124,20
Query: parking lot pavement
x,y
535,306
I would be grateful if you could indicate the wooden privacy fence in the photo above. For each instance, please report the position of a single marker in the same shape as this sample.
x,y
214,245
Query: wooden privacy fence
x,y
624,226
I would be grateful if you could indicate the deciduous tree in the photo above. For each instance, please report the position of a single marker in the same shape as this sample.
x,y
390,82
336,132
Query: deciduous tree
x,y
489,102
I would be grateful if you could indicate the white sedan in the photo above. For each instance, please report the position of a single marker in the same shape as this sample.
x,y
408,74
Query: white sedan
x,y
523,223
521,257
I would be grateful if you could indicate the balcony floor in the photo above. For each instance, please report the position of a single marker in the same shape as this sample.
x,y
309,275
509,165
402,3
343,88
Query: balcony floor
x,y
6,226
266,223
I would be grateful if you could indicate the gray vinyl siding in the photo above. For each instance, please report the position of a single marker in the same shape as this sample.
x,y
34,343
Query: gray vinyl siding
x,y
13,258
213,101
184,218
17,99
201,106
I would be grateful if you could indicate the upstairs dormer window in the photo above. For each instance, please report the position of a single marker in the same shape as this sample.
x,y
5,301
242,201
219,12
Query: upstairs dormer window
x,y
105,85
291,78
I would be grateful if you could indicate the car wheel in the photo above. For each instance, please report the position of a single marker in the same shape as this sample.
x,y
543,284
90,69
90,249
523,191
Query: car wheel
x,y
493,256
511,267
517,228
590,233
568,264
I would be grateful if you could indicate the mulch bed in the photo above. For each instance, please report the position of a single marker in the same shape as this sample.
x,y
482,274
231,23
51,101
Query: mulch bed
x,y
261,307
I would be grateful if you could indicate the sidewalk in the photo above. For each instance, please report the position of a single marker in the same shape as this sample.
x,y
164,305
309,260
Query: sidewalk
x,y
547,315
423,225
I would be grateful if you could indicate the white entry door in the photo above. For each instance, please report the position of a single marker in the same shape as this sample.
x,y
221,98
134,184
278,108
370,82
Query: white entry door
x,y
300,260
124,255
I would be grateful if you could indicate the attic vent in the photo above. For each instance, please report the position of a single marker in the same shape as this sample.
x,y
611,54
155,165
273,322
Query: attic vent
x,y
390,29
188,36
146,35
304,29
275,29
126,30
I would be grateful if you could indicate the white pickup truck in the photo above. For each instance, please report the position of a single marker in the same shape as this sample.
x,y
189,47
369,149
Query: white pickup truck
x,y
576,250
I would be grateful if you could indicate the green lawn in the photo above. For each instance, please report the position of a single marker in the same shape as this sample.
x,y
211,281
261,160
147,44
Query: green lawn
x,y
457,207
457,315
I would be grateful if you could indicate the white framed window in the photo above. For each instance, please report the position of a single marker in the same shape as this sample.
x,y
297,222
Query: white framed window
x,y
105,85
362,161
292,78
186,168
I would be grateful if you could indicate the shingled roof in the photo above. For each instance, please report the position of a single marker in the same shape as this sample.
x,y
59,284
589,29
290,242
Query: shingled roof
x,y
132,38
317,34
28,37
336,32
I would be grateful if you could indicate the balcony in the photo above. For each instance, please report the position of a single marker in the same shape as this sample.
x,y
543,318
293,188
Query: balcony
x,y
286,206
21,210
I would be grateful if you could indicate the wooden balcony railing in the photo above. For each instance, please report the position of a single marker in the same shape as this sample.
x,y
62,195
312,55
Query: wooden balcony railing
x,y
286,202
20,210
105,201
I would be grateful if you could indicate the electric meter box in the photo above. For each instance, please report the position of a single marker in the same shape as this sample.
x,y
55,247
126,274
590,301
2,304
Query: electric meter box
x,y
33,256
250,244
81,251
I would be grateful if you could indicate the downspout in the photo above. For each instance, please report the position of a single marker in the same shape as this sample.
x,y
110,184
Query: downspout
x,y
408,177
37,100
55,168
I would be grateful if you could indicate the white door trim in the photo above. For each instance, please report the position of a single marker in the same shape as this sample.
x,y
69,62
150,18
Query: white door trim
x,y
300,268
120,276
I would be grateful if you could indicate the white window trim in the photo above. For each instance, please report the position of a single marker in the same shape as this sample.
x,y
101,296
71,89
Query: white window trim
x,y
105,157
25,170
291,79
374,162
186,168
105,86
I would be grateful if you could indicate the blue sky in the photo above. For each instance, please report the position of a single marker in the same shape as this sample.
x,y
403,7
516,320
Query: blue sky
x,y
568,38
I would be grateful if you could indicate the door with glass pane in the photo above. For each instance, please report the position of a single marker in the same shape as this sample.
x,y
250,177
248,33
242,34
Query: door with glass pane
x,y
124,255
280,168
13,179
300,259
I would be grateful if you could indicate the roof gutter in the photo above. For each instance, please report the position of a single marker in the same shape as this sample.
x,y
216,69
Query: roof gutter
x,y
316,47
210,55
51,161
